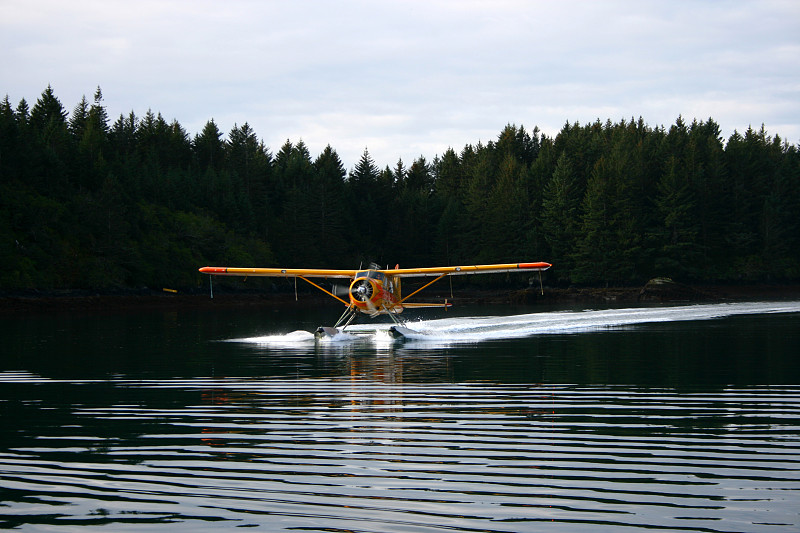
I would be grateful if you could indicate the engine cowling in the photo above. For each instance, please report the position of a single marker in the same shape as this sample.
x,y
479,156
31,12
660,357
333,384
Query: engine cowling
x,y
362,290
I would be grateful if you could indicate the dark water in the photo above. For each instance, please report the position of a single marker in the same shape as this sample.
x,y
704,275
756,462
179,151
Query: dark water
x,y
665,418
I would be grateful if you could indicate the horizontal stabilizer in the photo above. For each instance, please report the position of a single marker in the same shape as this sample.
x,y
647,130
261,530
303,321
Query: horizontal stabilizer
x,y
416,305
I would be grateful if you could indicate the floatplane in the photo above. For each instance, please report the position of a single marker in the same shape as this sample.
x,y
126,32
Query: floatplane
x,y
375,291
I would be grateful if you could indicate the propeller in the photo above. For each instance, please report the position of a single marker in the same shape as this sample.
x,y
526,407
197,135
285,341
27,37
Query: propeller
x,y
362,291
339,290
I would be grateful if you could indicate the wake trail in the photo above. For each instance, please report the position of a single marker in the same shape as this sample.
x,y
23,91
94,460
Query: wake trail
x,y
460,330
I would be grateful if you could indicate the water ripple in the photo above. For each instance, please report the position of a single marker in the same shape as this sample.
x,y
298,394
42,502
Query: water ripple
x,y
340,455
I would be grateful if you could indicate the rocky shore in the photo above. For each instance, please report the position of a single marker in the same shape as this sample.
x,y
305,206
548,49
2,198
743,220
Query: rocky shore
x,y
657,290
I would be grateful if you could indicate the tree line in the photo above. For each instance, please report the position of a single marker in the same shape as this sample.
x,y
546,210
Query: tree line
x,y
90,203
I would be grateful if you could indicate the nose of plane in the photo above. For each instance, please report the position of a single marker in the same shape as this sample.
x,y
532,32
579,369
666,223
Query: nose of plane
x,y
361,290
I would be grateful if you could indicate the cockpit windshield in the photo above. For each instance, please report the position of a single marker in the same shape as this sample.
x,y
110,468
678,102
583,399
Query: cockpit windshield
x,y
370,274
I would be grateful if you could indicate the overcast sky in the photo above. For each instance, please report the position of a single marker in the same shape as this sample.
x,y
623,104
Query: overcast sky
x,y
410,78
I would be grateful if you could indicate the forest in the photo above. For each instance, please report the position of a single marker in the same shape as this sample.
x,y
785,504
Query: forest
x,y
88,202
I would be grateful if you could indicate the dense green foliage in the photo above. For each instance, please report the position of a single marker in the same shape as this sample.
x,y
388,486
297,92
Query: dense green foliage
x,y
86,203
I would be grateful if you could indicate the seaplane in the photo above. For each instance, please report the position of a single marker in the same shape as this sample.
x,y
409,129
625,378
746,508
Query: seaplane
x,y
375,291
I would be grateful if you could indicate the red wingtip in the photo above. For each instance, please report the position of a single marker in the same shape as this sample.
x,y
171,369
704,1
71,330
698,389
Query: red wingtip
x,y
538,266
213,270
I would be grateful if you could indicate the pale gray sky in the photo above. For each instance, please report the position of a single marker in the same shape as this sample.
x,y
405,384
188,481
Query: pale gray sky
x,y
410,78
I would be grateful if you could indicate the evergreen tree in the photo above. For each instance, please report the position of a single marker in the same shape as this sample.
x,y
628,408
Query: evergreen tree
x,y
447,174
400,173
609,251
89,128
23,113
412,215
77,126
95,139
124,154
480,182
369,196
9,141
594,255
208,147
519,144
449,243
243,157
365,173
297,239
79,119
679,255
508,217
536,178
780,224
419,177
48,122
48,116
332,225
742,222
152,136
448,188
712,186
180,147
561,215
250,166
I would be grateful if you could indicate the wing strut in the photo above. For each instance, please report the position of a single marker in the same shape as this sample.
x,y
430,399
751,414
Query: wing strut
x,y
320,288
424,286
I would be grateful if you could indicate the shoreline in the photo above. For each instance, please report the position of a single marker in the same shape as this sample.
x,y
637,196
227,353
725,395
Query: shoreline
x,y
91,301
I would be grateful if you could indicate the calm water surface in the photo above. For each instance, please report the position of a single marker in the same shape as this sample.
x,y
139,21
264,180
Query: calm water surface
x,y
680,418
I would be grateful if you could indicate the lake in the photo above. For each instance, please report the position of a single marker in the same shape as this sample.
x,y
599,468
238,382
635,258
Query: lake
x,y
492,419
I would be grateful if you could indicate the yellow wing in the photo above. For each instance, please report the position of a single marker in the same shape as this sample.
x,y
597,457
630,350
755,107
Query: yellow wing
x,y
399,272
468,269
279,272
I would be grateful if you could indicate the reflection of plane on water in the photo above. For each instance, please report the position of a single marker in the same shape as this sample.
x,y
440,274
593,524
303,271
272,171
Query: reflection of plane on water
x,y
376,291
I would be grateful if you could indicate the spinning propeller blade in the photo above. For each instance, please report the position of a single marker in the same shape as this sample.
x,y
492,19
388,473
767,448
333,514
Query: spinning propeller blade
x,y
339,289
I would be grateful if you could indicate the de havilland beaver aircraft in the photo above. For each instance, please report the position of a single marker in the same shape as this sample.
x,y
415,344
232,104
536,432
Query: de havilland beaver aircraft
x,y
375,291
